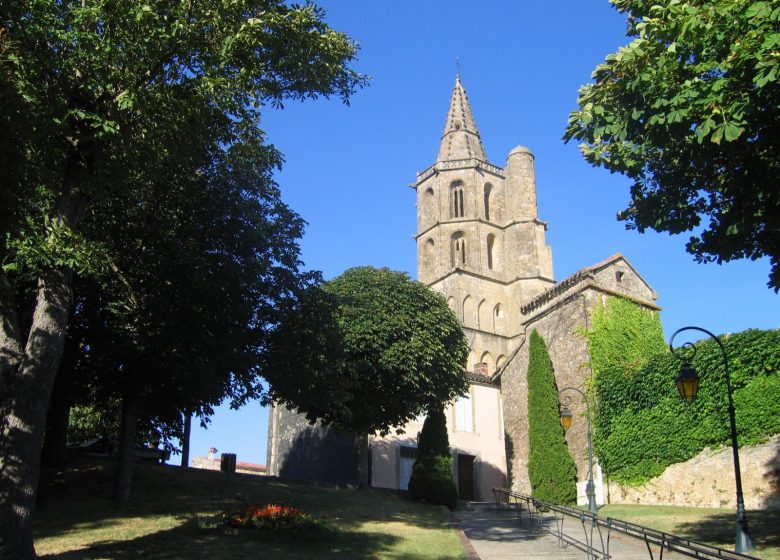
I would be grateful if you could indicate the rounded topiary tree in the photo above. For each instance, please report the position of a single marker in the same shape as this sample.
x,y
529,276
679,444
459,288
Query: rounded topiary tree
x,y
432,472
551,469
365,353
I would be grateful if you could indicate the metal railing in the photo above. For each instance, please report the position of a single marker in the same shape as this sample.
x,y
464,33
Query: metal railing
x,y
597,531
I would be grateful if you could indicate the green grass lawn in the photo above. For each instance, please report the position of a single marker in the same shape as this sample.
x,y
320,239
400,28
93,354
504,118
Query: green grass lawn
x,y
169,511
713,526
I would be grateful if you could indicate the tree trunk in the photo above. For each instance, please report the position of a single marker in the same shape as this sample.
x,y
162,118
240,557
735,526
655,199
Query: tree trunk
x,y
25,409
55,439
361,442
127,433
185,440
11,353
28,376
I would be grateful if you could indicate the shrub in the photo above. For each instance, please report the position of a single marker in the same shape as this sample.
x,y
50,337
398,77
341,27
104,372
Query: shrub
x,y
432,480
551,469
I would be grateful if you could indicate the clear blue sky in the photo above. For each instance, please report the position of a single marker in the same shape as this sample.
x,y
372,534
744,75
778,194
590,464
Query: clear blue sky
x,y
348,169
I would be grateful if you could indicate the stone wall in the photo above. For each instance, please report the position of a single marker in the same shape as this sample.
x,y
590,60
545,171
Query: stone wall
x,y
707,480
561,319
561,328
298,450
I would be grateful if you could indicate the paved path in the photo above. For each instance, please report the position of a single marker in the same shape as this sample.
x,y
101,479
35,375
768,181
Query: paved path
x,y
497,535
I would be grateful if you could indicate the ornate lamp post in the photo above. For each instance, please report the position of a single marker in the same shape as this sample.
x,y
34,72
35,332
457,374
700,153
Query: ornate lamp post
x,y
688,385
566,423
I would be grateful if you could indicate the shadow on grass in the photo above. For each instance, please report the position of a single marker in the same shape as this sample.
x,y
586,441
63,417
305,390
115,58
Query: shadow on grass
x,y
160,520
721,528
187,541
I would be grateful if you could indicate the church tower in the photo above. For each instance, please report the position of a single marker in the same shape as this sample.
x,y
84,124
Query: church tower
x,y
479,239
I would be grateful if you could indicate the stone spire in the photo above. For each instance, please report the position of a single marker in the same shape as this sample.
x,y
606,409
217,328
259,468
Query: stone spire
x,y
461,138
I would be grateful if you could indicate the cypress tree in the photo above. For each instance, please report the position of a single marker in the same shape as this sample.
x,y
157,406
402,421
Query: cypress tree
x,y
551,469
432,480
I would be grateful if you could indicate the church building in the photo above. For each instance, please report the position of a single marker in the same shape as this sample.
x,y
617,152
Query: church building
x,y
481,243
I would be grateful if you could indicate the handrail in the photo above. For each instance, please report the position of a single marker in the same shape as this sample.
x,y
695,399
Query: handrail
x,y
674,543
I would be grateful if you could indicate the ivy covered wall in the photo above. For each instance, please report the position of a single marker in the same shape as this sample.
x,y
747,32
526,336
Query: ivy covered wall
x,y
642,426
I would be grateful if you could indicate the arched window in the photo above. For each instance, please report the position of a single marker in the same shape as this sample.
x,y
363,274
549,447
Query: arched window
x,y
481,310
487,359
458,250
498,319
457,207
488,190
500,362
491,241
430,255
469,311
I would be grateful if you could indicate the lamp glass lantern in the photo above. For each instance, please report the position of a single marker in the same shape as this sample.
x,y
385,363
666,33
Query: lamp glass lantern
x,y
565,418
687,382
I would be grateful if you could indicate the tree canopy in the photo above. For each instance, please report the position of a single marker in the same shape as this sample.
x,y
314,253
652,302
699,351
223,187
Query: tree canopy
x,y
366,352
101,97
689,110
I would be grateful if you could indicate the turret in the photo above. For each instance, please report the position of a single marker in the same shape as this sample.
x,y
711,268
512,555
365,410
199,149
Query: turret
x,y
521,184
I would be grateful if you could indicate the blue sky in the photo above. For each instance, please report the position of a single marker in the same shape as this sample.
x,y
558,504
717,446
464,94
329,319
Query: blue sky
x,y
348,169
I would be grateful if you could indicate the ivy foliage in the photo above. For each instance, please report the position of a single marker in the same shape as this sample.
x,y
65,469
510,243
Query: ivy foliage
x,y
689,111
623,336
645,427
551,468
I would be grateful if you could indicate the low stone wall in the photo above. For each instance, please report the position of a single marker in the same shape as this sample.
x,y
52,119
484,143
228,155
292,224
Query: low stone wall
x,y
707,480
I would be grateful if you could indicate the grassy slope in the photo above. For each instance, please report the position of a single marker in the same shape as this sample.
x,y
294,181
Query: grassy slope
x,y
76,518
714,526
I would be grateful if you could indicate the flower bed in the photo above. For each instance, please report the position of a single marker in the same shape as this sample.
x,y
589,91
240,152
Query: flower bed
x,y
271,517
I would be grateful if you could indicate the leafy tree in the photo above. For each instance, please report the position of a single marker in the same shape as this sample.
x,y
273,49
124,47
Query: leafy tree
x,y
206,260
432,480
551,469
97,97
367,352
689,111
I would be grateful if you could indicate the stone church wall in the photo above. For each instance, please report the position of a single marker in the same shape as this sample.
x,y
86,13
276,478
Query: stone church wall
x,y
707,480
561,328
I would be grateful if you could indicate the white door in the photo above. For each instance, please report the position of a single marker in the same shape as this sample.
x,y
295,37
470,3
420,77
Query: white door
x,y
407,458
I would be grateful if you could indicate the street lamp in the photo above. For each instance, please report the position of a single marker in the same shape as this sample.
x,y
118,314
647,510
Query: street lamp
x,y
688,384
566,423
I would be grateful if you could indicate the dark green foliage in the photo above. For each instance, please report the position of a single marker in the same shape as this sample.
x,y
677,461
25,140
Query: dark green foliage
x,y
550,467
366,352
432,480
646,427
433,437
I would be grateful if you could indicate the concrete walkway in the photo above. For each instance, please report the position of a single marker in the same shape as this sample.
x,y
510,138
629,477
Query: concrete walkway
x,y
497,535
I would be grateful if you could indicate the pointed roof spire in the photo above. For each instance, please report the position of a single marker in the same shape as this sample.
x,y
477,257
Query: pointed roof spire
x,y
461,138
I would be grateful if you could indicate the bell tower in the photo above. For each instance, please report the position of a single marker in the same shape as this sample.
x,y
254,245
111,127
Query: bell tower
x,y
479,239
